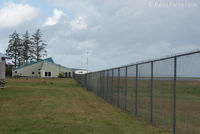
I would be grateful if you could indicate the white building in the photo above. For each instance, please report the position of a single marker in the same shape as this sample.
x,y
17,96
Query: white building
x,y
46,68
2,70
81,71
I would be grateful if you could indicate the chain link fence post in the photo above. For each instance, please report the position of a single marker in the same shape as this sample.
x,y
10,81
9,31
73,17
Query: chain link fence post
x,y
112,87
151,120
126,89
136,96
104,84
175,76
107,96
118,87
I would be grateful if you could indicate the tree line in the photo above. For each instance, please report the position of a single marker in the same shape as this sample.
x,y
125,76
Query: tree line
x,y
23,48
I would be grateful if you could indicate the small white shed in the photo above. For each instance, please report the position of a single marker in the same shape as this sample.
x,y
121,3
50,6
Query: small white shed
x,y
81,71
2,70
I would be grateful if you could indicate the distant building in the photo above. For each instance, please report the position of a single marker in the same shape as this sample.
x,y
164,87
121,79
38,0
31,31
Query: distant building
x,y
81,71
2,70
46,68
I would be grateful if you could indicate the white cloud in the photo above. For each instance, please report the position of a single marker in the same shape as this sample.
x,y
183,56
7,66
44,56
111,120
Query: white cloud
x,y
95,28
86,45
12,15
116,32
57,15
79,23
127,31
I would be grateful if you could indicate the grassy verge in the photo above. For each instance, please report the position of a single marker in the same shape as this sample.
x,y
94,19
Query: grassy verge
x,y
61,106
187,100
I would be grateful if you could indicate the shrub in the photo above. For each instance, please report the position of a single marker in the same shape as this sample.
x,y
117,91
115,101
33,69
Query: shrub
x,y
61,75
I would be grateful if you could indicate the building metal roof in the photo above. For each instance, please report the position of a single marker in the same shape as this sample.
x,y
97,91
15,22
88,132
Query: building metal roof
x,y
49,60
34,62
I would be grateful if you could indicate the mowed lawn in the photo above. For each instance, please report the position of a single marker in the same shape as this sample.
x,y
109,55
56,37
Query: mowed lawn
x,y
56,106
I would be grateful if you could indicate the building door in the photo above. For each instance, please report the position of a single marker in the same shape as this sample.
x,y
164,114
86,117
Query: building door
x,y
49,74
46,74
66,74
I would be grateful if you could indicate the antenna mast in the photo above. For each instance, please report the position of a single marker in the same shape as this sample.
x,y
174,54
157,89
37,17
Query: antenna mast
x,y
87,61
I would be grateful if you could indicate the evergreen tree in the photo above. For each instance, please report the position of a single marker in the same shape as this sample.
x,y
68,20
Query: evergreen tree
x,y
39,45
14,48
27,48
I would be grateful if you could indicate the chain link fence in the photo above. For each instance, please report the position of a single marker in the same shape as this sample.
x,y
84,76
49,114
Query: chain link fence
x,y
164,92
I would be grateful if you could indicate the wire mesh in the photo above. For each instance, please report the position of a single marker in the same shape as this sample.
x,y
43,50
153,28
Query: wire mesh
x,y
163,72
188,94
98,84
122,88
144,91
102,84
131,89
94,83
164,91
110,96
106,85
115,87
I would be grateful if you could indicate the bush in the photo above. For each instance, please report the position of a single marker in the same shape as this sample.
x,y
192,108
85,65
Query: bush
x,y
61,75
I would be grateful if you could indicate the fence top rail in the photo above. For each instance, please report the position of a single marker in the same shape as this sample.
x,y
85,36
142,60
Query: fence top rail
x,y
153,60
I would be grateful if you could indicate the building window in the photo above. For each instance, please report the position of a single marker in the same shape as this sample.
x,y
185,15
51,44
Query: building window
x,y
47,74
16,72
33,72
68,74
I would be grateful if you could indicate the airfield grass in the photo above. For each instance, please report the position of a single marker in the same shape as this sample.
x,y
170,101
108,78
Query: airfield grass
x,y
187,103
57,106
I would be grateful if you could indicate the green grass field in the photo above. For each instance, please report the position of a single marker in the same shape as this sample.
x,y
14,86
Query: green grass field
x,y
56,106
187,101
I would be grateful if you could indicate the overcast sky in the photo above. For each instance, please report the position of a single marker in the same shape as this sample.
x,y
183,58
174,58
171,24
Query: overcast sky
x,y
113,32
